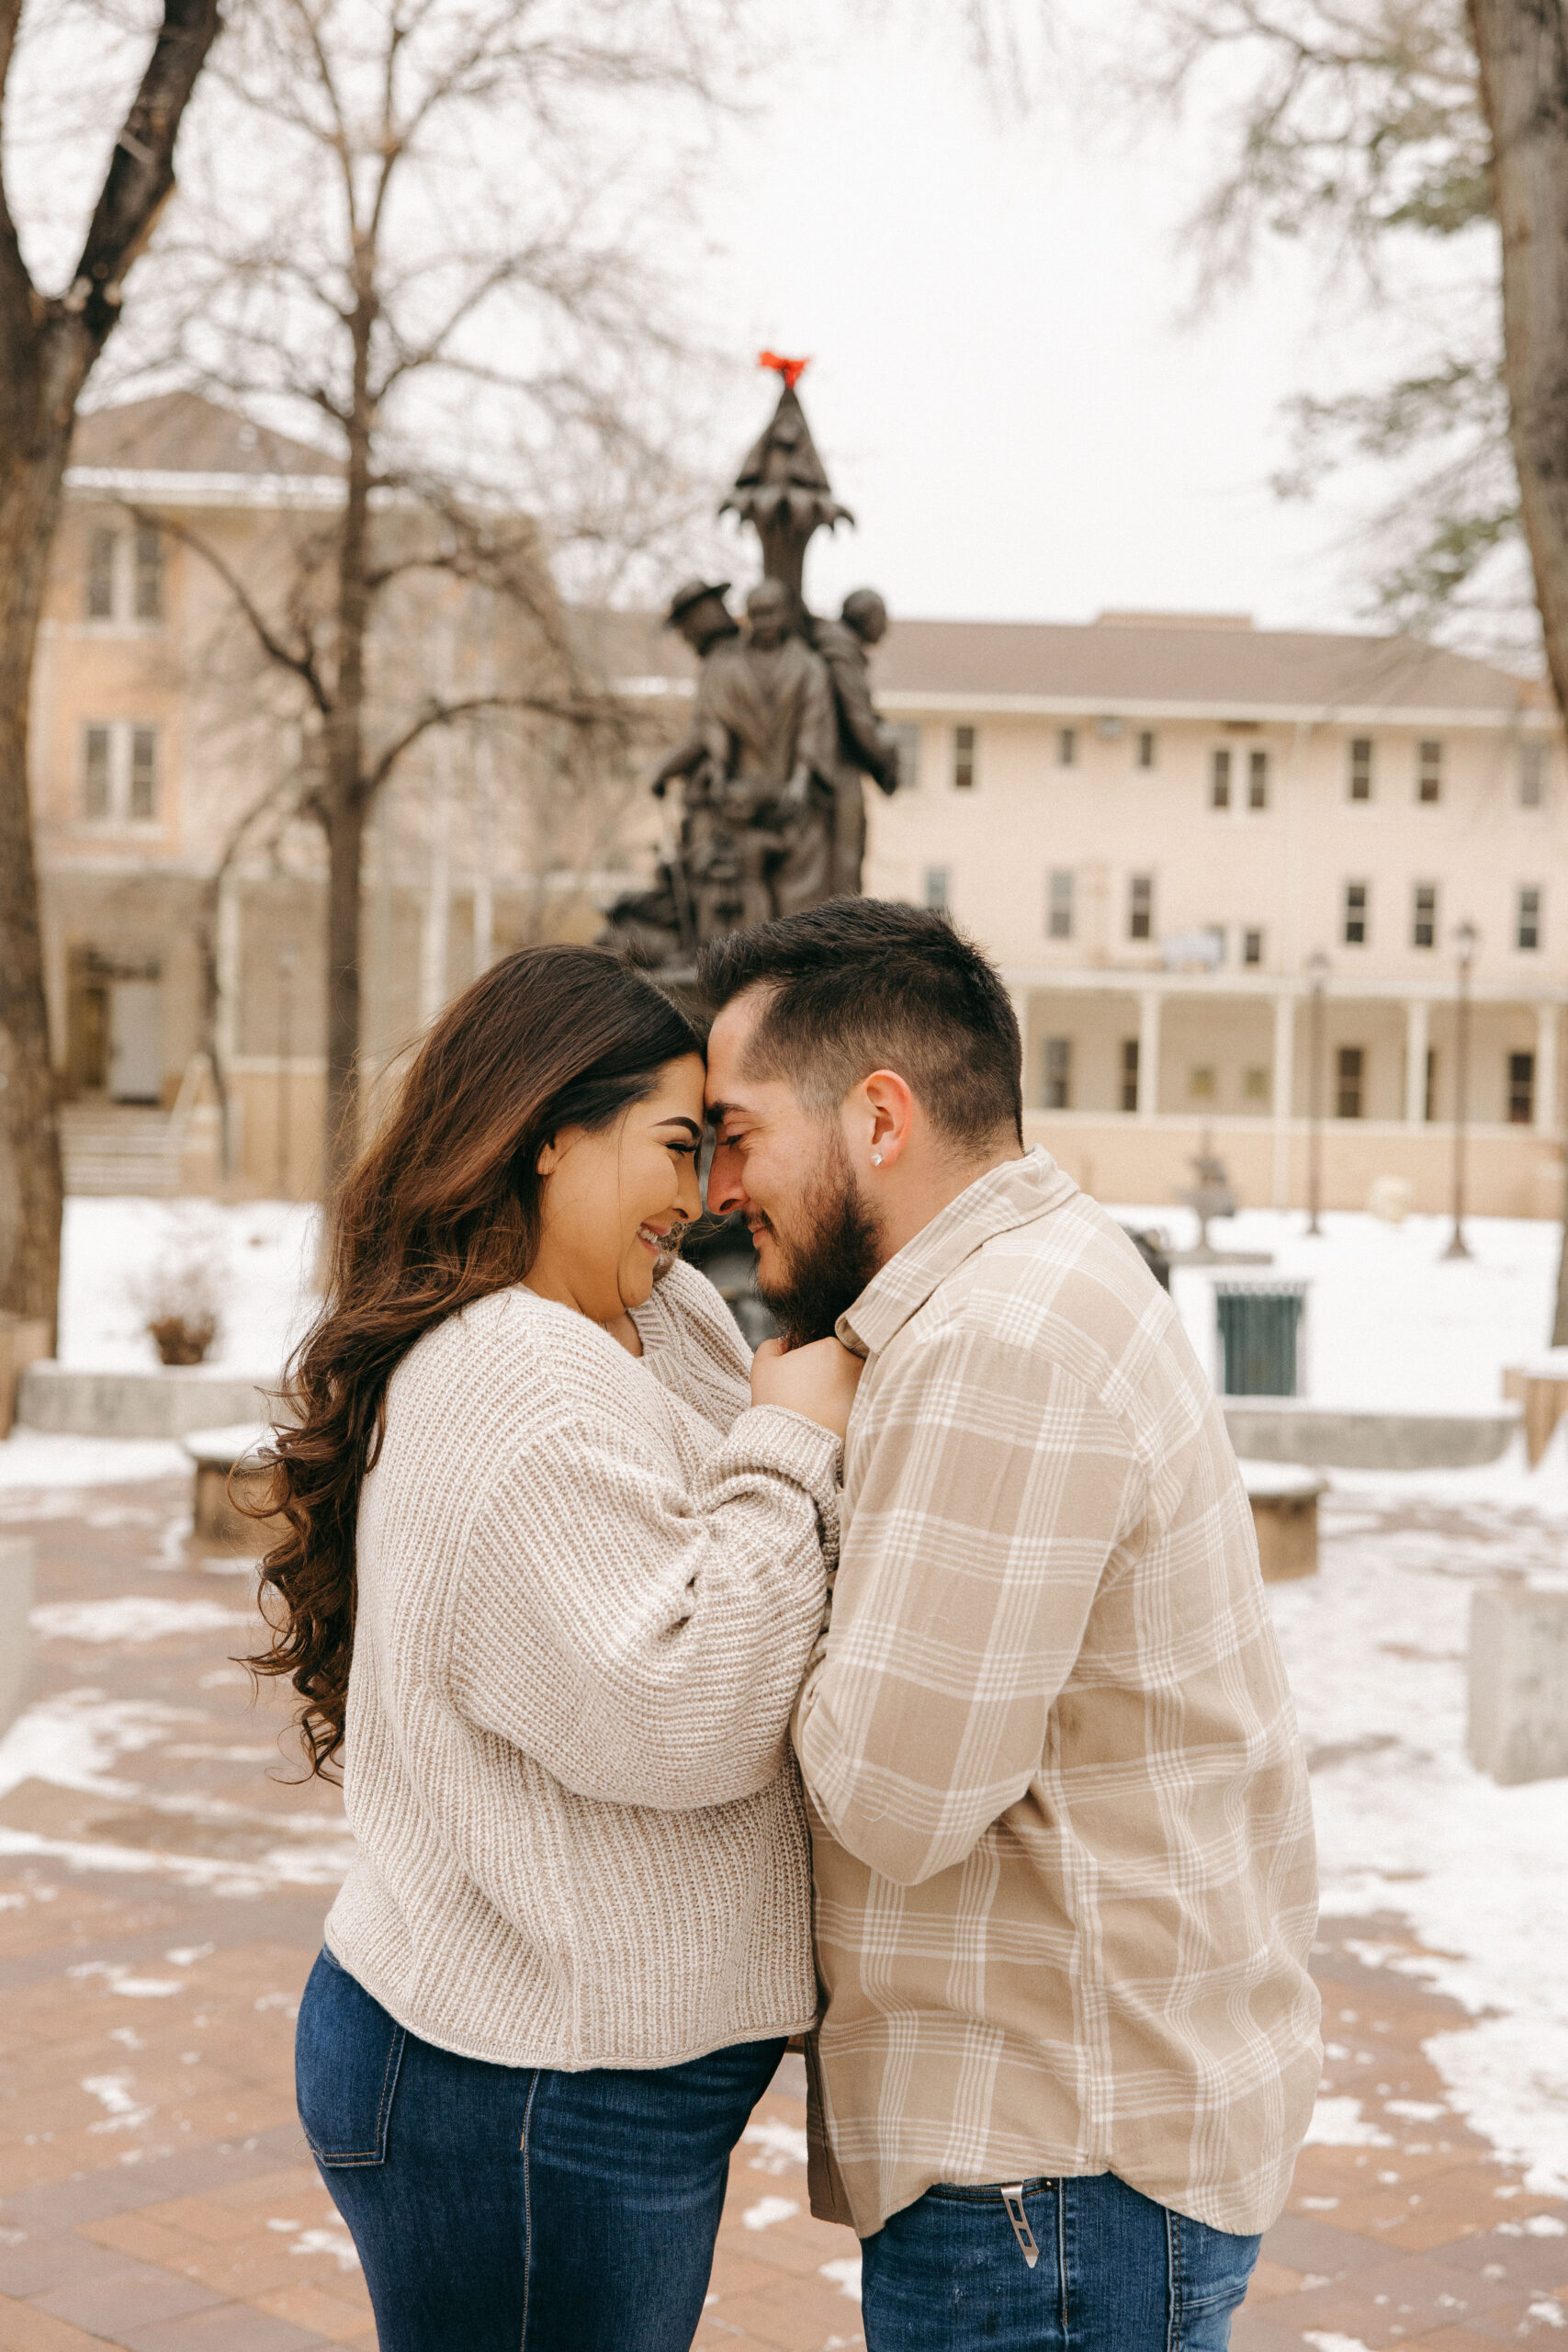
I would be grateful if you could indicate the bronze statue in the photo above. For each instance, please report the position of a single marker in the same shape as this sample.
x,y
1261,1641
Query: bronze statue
x,y
865,746
773,814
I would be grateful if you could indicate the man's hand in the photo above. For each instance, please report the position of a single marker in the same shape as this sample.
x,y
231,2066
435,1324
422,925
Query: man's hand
x,y
818,1381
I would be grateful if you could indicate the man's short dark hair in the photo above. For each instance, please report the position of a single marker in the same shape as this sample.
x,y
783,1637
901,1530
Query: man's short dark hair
x,y
862,984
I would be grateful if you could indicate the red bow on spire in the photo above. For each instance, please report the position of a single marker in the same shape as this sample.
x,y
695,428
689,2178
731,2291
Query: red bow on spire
x,y
792,370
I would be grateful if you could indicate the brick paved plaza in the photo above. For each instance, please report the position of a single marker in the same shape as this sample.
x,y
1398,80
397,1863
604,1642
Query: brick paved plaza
x,y
161,1900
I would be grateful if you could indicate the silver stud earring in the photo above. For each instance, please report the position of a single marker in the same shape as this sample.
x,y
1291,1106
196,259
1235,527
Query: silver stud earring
x,y
876,1160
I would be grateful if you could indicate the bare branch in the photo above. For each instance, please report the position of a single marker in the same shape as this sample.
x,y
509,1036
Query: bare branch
x,y
300,659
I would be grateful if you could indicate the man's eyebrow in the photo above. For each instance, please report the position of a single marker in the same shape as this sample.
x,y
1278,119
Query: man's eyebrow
x,y
718,1112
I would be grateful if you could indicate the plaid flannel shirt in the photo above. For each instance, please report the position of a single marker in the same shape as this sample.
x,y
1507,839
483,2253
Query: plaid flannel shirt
x,y
1062,1842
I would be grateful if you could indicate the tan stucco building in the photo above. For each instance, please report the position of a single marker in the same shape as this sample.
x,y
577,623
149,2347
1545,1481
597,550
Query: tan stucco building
x,y
1155,823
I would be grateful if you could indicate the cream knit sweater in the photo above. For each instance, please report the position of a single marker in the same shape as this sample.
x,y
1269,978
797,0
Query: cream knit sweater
x,y
588,1588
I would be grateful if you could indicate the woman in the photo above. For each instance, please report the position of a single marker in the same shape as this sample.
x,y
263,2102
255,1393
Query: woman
x,y
554,1568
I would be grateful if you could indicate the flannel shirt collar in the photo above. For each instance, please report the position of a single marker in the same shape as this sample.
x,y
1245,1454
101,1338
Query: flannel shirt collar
x,y
1012,1194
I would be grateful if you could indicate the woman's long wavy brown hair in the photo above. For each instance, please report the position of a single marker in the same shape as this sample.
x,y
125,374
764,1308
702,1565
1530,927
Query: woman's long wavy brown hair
x,y
442,1209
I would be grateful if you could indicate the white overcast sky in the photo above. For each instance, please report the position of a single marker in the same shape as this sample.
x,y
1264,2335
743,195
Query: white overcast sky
x,y
1001,385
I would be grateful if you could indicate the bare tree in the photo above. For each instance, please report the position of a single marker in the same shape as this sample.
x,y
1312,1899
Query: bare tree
x,y
1388,123
50,344
425,233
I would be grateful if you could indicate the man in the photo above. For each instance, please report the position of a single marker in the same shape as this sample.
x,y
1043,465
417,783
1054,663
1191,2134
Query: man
x,y
865,746
765,712
1065,1884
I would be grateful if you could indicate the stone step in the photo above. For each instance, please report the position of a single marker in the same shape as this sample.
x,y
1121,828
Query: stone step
x,y
111,1149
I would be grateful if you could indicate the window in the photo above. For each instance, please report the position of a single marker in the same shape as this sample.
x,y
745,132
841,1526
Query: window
x,y
1526,929
1428,770
1356,914
1145,753
908,738
1129,1073
1067,747
1059,1073
1533,774
1220,780
1361,767
119,772
1429,1094
101,544
149,598
95,783
1521,1090
1424,915
1257,779
143,771
1350,1061
1252,947
1255,1085
964,759
1201,1082
1141,907
1059,910
938,878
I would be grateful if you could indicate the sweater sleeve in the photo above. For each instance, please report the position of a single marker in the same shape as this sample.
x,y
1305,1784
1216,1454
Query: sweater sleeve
x,y
641,1639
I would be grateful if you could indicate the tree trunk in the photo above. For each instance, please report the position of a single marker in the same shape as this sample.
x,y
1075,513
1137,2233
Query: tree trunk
x,y
345,850
1523,55
35,433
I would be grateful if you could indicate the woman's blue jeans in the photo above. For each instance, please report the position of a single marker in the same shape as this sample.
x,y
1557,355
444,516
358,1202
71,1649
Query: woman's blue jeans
x,y
1113,2272
513,2208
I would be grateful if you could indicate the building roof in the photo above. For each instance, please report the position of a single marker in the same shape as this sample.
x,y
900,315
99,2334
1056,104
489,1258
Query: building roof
x,y
1212,666
180,446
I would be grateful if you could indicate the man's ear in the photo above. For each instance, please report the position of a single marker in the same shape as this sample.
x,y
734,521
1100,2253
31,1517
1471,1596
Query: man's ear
x,y
884,1118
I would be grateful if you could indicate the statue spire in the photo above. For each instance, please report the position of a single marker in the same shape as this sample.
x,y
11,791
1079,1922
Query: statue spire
x,y
783,488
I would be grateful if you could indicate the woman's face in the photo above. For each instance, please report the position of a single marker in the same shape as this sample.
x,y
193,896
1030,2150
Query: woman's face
x,y
611,1197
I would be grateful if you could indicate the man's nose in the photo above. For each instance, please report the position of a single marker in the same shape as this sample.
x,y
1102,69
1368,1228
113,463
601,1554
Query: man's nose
x,y
726,1192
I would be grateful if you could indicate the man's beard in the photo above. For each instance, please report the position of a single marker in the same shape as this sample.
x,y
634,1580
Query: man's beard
x,y
829,1263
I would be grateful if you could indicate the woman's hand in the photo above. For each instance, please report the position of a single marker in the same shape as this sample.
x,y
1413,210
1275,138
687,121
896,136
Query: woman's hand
x,y
818,1381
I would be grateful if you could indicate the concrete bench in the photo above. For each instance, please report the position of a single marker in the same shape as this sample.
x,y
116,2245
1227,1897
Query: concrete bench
x,y
1519,1684
1283,1495
1540,1385
223,1480
167,1402
15,1624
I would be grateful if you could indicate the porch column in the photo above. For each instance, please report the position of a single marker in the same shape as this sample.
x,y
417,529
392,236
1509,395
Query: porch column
x,y
1149,1001
1284,1094
1547,1017
229,952
1417,1031
1021,1014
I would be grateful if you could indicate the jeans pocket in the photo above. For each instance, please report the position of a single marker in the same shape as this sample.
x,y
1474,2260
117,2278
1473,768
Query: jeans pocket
x,y
347,2051
1212,2270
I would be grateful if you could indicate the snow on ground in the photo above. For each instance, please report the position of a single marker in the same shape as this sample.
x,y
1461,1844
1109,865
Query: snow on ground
x,y
1388,1323
119,1254
1375,1645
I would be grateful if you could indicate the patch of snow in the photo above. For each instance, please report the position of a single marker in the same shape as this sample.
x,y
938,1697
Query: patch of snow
x,y
768,2211
335,2241
1339,2123
134,1617
783,2144
75,1739
32,1459
1375,1645
113,2092
124,1980
844,2275
261,1257
1388,1323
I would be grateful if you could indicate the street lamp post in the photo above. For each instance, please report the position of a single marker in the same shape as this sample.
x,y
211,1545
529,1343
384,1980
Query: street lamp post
x,y
1465,938
287,958
1317,973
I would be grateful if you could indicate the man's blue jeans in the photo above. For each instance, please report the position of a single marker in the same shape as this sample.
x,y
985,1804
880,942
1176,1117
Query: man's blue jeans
x,y
1112,2272
502,2208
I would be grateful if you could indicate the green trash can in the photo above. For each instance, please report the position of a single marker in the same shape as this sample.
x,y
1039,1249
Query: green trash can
x,y
1260,1327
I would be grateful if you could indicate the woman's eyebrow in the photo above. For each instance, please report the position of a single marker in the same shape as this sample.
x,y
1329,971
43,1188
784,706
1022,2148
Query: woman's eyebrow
x,y
675,1120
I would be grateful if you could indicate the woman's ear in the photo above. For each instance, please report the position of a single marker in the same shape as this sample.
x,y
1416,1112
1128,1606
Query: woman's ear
x,y
549,1160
